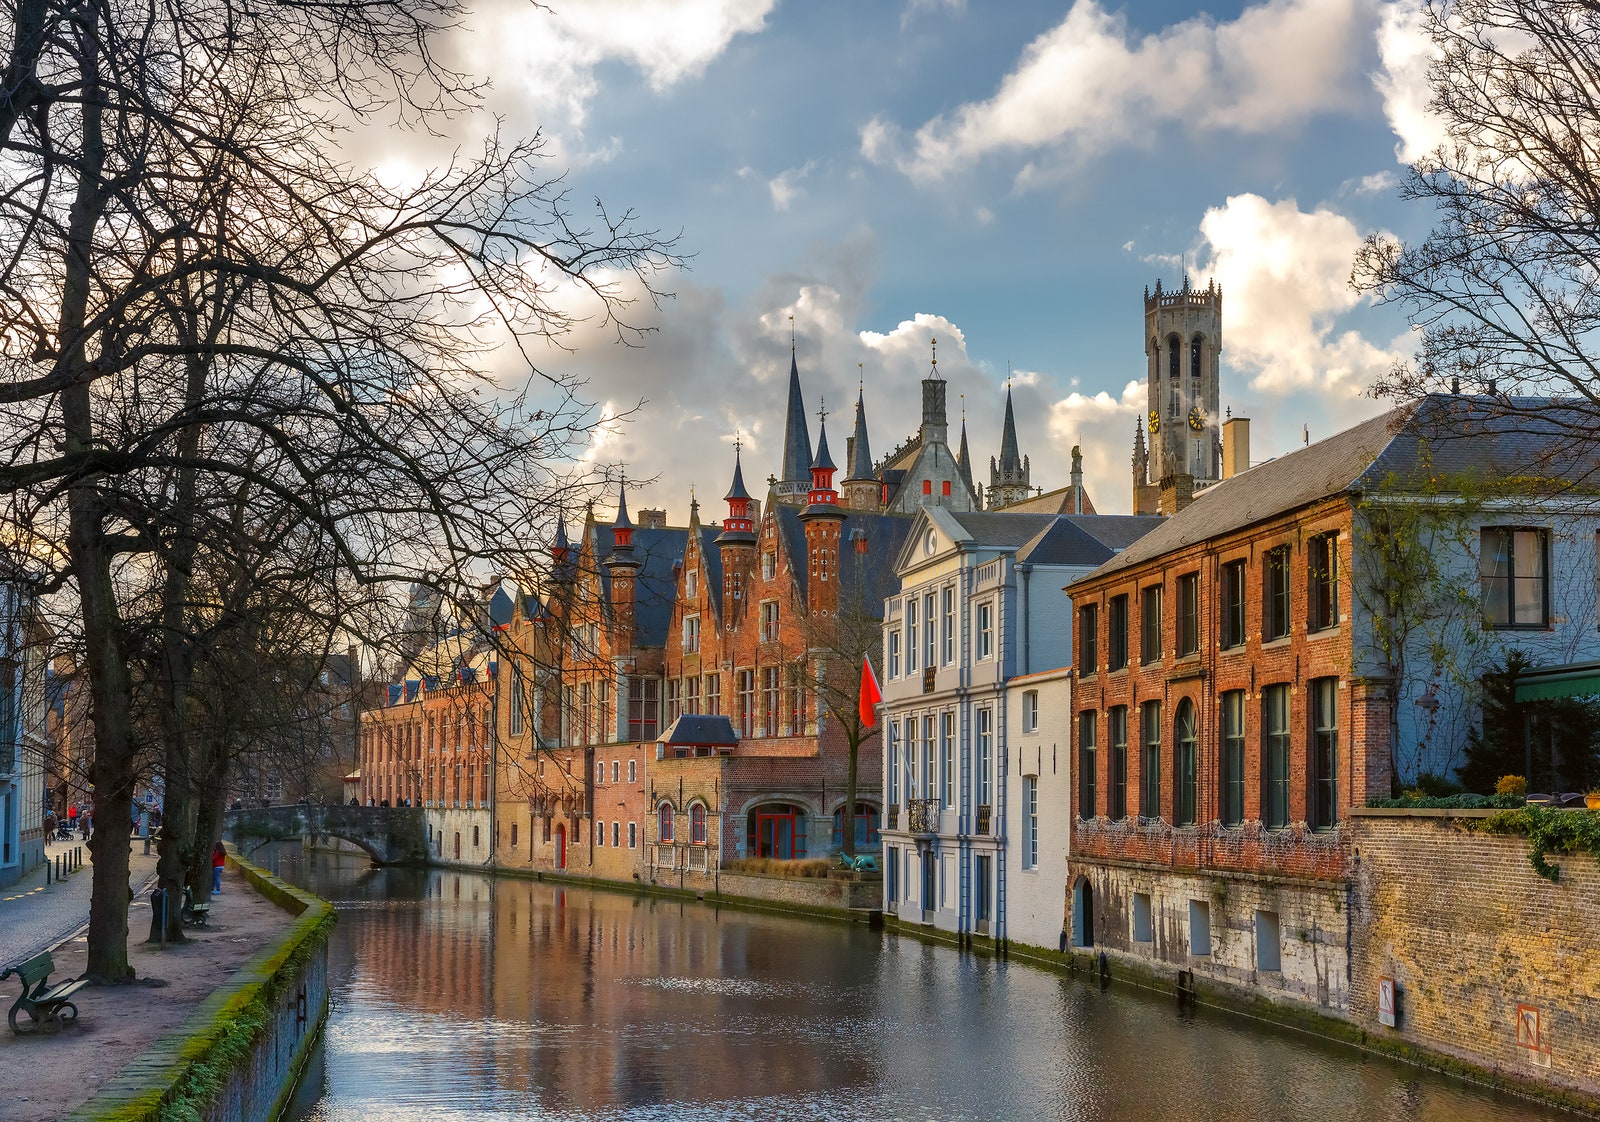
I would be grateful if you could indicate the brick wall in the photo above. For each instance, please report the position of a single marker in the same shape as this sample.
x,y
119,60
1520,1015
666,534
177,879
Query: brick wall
x,y
1471,934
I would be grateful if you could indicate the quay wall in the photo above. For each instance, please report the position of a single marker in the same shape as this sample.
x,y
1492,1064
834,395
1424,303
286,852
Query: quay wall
x,y
240,1054
1496,968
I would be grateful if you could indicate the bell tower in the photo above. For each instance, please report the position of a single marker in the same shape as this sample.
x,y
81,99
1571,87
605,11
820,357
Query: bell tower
x,y
1183,348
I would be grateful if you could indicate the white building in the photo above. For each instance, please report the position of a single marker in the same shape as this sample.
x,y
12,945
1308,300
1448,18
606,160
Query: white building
x,y
1037,798
21,726
980,605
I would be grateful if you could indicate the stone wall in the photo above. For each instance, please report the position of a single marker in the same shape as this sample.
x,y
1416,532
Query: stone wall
x,y
1495,966
1234,914
239,1056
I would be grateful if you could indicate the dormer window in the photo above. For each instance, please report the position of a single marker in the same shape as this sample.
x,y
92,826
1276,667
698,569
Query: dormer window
x,y
691,585
769,564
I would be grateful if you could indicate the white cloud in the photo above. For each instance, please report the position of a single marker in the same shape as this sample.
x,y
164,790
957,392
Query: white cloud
x,y
1405,52
1378,183
915,8
1102,426
1286,278
785,186
1090,83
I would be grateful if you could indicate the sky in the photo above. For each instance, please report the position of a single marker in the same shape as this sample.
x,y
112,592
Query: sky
x,y
1006,177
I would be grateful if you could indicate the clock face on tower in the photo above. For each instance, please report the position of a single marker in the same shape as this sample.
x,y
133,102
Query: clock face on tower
x,y
1197,421
1155,420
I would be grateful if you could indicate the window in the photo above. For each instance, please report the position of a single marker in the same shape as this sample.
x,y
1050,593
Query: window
x,y
894,654
769,621
1143,928
1199,927
633,771
518,702
1322,810
691,634
927,486
1117,765
929,637
1087,722
616,771
713,694
947,750
1117,633
691,585
1194,357
584,713
697,824
911,757
1150,760
1232,793
1275,609
1150,624
771,682
894,763
1322,582
986,630
633,835
1275,757
949,627
600,834
1030,822
797,701
769,564
674,700
664,823
1269,951
1188,614
513,835
747,703
599,772
866,827
1515,571
912,634
1088,639
616,834
1030,710
927,757
644,708
985,754
1232,605
1185,761
945,487
691,695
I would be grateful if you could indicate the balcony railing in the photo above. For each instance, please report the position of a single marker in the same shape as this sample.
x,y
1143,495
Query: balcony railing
x,y
894,817
984,811
922,816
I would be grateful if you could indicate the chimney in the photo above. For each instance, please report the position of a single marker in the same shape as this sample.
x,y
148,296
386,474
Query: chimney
x,y
1177,492
652,520
1235,446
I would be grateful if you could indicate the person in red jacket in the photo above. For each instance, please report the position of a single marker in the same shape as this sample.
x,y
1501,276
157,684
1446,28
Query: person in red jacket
x,y
219,858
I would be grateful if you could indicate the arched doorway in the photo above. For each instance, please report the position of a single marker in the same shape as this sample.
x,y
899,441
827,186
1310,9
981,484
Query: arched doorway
x,y
1082,913
777,830
561,846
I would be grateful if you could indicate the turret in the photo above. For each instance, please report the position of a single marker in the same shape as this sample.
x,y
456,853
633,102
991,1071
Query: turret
x,y
1183,347
823,519
861,487
737,542
624,569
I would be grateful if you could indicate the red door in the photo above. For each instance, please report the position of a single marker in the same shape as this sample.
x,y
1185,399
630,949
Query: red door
x,y
561,847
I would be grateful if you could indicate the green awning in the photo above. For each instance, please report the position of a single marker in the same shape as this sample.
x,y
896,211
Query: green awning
x,y
1576,680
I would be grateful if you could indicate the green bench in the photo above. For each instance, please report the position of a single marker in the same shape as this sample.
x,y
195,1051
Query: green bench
x,y
45,1005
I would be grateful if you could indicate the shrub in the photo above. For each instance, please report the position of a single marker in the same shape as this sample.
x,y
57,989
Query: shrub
x,y
1511,785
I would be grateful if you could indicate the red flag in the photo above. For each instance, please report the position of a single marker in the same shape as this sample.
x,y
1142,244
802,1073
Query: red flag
x,y
870,694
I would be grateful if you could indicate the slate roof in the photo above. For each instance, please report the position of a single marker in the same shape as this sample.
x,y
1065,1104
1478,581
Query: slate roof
x,y
860,453
796,433
872,572
1453,434
1056,539
698,730
655,550
1010,456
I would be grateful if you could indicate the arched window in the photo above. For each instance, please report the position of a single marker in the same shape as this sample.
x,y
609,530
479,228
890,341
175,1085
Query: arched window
x,y
664,823
697,824
866,827
1155,360
1174,369
1185,759
1195,369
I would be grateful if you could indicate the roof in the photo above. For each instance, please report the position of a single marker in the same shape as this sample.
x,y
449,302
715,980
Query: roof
x,y
860,453
796,434
1449,435
1010,456
655,550
701,731
1056,539
870,573
1059,501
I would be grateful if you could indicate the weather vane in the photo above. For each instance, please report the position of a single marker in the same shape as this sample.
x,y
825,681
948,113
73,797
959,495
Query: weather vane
x,y
822,409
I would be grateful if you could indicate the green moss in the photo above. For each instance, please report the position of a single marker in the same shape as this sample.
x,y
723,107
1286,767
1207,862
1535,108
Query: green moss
x,y
1548,831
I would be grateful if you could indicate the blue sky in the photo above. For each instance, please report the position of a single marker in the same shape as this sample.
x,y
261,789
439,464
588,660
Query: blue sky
x,y
1007,177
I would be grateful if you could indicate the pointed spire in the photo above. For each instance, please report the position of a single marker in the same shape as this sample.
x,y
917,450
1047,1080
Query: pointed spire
x,y
823,461
1010,457
796,434
737,491
860,453
964,455
622,526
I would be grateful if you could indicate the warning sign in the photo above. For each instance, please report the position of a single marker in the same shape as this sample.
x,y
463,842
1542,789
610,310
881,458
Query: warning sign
x,y
1531,1035
1386,1002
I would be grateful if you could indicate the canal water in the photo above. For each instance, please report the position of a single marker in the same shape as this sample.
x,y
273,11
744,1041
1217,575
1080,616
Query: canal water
x,y
458,996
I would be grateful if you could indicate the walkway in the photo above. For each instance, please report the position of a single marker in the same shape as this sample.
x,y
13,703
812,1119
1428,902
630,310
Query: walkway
x,y
35,917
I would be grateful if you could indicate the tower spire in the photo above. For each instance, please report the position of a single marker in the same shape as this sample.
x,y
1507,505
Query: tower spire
x,y
796,478
964,454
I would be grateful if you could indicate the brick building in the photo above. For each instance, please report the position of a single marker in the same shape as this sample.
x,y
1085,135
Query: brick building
x,y
1233,703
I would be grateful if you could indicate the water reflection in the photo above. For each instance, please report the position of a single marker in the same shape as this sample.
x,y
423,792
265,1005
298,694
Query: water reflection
x,y
457,995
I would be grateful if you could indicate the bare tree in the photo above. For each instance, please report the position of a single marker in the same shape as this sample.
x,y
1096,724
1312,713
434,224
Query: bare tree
x,y
1506,287
198,294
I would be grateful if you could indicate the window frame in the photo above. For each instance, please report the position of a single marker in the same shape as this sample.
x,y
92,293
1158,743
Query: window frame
x,y
1150,624
983,789
1088,731
1188,621
1231,618
1030,822
986,630
1322,766
1117,763
1230,794
1185,764
1117,633
948,623
1322,581
1150,760
1513,622
1088,640
947,751
1275,598
1276,756
1030,710
665,823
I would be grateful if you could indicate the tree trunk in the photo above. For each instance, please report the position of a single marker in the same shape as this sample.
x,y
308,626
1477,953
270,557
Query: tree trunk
x,y
854,740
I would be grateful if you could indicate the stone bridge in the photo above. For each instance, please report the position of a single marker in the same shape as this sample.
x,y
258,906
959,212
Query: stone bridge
x,y
389,835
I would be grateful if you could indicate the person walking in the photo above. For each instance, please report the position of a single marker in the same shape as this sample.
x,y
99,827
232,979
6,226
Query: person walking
x,y
219,858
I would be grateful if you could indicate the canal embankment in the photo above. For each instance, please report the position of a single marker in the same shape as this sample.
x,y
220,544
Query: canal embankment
x,y
251,996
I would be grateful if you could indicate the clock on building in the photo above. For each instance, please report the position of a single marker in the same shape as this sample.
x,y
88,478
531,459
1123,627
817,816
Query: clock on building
x,y
1197,420
1155,420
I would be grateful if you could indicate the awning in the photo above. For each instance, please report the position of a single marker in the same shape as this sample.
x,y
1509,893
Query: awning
x,y
1577,679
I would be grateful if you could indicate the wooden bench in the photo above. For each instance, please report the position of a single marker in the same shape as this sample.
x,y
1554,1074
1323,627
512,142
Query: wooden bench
x,y
43,1003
